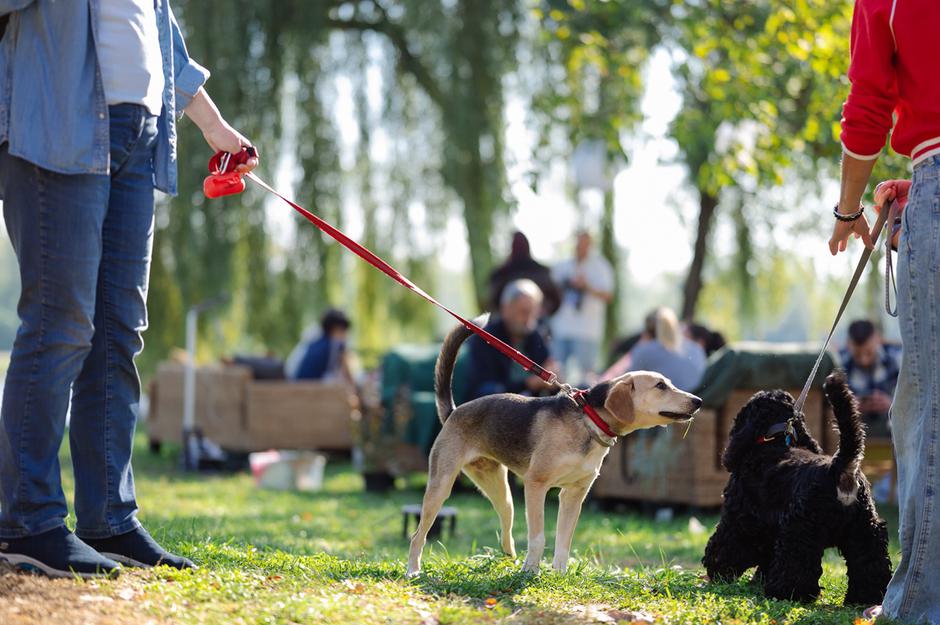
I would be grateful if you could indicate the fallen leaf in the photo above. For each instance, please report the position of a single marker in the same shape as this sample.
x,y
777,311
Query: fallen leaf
x,y
357,588
127,594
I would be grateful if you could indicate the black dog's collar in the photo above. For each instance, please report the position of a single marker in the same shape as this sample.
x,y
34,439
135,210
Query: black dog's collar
x,y
776,430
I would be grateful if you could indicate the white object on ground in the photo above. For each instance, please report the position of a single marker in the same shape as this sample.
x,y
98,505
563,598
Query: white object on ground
x,y
288,470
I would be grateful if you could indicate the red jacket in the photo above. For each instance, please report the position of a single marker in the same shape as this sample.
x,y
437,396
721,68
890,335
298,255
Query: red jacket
x,y
895,70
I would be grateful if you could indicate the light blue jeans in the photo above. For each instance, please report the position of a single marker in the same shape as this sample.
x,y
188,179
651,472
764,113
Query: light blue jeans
x,y
583,351
914,592
83,243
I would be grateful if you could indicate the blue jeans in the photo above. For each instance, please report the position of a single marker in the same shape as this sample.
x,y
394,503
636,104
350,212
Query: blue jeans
x,y
914,592
584,352
83,243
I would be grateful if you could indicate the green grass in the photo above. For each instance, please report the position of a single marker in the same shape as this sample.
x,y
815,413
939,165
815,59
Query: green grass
x,y
337,556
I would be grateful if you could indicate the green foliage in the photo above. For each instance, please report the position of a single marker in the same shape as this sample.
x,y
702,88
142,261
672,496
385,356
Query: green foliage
x,y
763,85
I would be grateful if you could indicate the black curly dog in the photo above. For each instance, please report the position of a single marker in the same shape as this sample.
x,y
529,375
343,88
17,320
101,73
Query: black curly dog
x,y
787,501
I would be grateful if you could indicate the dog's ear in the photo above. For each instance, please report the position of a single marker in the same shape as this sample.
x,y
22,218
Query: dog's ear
x,y
740,440
619,401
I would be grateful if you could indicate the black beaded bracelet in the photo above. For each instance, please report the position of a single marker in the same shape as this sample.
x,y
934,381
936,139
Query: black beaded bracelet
x,y
849,217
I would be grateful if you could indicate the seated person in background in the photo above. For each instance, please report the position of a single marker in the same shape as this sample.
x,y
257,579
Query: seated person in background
x,y
323,357
620,352
668,352
707,339
872,367
490,371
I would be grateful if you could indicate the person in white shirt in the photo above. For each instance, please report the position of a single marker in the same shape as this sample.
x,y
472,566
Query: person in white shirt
x,y
587,284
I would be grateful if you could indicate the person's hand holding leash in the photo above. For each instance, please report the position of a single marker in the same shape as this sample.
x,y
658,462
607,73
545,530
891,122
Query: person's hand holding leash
x,y
892,190
885,193
217,132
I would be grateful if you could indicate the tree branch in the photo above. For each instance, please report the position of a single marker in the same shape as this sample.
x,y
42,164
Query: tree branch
x,y
407,60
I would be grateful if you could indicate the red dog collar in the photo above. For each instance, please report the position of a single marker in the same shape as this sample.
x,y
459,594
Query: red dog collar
x,y
578,397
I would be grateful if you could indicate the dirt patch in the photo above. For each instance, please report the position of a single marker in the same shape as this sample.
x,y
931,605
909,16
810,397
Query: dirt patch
x,y
33,600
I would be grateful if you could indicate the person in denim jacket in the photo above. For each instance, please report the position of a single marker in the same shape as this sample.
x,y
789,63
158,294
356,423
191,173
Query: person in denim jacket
x,y
90,94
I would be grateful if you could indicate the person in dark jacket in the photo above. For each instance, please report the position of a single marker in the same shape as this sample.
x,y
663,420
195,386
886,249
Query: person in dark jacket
x,y
519,266
490,371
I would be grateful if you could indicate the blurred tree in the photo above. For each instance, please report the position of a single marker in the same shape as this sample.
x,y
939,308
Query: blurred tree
x,y
592,54
763,84
458,54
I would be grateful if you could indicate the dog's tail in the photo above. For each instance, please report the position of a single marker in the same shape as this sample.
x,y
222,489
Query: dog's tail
x,y
444,371
846,462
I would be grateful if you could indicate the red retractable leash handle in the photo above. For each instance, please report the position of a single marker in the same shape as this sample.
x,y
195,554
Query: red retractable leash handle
x,y
223,179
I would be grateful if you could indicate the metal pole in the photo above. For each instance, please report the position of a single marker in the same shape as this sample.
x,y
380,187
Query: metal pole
x,y
191,438
190,454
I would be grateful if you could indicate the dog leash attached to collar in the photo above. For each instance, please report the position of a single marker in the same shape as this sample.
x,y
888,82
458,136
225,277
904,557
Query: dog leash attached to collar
x,y
776,430
856,277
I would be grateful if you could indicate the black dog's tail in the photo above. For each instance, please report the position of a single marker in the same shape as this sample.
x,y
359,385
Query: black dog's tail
x,y
444,371
848,458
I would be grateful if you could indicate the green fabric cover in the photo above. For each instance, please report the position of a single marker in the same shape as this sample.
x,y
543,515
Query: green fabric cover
x,y
753,365
413,366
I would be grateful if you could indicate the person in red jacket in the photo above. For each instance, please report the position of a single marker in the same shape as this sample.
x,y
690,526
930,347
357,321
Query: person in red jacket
x,y
895,89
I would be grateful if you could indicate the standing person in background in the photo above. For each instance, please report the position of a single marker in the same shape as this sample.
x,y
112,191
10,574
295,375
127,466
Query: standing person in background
x,y
587,284
893,72
90,93
520,266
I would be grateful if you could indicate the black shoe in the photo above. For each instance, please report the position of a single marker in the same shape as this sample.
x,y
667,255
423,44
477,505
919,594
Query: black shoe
x,y
137,548
56,553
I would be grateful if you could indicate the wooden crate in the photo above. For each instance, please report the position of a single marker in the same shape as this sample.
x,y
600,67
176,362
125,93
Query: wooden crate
x,y
672,467
242,414
220,404
299,415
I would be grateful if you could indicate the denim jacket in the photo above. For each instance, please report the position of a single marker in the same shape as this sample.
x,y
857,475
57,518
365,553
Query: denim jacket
x,y
53,110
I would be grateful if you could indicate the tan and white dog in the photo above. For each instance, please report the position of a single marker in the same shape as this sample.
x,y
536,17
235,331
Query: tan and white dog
x,y
547,441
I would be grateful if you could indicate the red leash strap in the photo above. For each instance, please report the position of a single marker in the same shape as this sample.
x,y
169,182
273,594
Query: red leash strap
x,y
528,364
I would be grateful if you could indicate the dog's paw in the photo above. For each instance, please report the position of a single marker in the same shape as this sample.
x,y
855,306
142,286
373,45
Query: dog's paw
x,y
412,573
531,567
836,383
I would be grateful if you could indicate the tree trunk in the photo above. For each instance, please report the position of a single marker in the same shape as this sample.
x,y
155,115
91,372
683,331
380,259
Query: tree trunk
x,y
708,203
609,250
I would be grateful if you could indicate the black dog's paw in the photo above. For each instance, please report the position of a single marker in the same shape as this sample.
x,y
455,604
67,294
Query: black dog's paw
x,y
804,591
835,381
836,388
